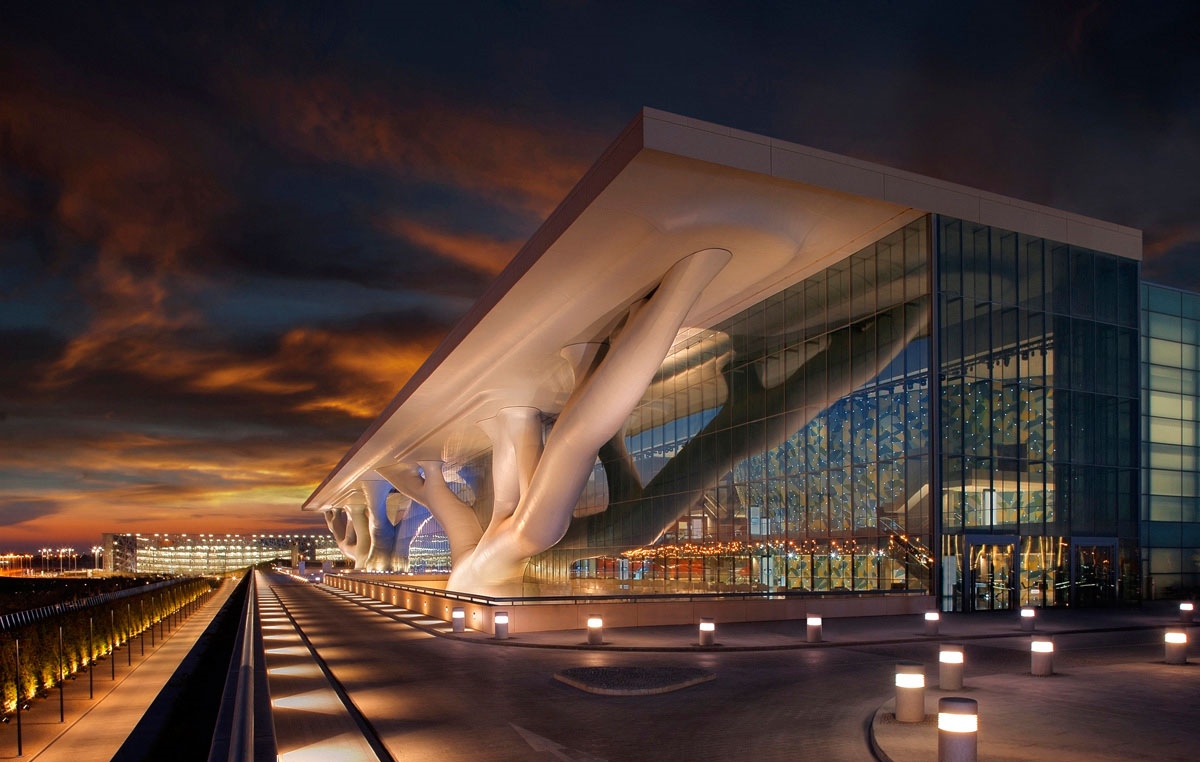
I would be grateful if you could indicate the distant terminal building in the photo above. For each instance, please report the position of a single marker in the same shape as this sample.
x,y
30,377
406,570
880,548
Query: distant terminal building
x,y
212,553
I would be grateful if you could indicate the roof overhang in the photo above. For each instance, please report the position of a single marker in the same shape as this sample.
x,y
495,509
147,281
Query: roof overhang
x,y
667,187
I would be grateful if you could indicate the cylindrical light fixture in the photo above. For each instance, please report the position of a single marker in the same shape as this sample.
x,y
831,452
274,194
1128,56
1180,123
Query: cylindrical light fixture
x,y
958,729
814,628
932,620
950,667
500,625
1041,657
708,630
1028,616
1176,643
595,631
458,619
1186,610
910,692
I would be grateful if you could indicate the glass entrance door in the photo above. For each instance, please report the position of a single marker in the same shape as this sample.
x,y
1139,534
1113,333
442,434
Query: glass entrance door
x,y
991,586
1094,572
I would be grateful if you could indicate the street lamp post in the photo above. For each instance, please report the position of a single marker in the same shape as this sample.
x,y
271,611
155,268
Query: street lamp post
x,y
91,657
62,676
20,700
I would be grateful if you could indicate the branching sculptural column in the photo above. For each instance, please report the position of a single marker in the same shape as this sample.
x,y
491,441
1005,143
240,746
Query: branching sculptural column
x,y
380,530
537,488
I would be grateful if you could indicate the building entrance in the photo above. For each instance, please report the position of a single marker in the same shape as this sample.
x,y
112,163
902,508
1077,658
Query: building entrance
x,y
992,575
1094,571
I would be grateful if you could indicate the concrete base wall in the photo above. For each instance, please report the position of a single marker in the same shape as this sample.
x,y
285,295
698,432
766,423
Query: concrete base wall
x,y
531,616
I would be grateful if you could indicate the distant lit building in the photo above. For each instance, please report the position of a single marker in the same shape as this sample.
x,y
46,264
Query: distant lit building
x,y
212,553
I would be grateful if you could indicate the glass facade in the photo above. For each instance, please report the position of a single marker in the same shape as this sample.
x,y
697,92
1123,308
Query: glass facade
x,y
802,444
1170,423
786,448
1038,358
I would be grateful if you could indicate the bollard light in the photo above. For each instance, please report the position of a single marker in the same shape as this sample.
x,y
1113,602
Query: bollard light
x,y
1028,615
1041,657
1186,612
708,631
932,620
500,625
958,729
1176,642
910,692
950,667
595,631
458,619
814,628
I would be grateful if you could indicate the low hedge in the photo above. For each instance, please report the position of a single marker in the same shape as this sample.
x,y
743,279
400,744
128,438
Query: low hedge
x,y
111,622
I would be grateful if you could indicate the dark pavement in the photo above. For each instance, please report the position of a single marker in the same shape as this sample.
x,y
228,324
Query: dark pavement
x,y
435,695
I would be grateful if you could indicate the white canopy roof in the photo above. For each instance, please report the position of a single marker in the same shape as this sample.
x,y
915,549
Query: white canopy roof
x,y
667,187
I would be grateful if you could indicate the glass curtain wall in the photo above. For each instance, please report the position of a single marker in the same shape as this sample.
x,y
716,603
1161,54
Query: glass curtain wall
x,y
785,449
1039,404
1171,450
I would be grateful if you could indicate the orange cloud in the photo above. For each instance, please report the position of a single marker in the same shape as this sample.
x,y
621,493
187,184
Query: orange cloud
x,y
479,252
1170,239
126,481
424,137
365,370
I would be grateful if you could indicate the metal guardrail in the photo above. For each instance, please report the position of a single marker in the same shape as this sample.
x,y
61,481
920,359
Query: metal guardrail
x,y
237,737
241,743
25,618
486,600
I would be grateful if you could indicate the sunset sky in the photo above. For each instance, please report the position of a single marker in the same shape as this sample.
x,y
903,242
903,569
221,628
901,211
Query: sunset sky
x,y
230,232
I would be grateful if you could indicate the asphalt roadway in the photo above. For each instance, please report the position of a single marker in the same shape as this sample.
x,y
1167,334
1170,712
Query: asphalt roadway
x,y
431,695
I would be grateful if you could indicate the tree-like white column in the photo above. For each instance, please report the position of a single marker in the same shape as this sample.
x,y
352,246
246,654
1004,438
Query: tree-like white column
x,y
351,528
380,530
342,531
537,487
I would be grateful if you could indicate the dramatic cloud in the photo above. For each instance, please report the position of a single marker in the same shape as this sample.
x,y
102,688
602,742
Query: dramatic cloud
x,y
229,234
18,510
479,252
526,167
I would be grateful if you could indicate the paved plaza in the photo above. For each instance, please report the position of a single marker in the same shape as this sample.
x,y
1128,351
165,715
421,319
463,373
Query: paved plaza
x,y
354,679
436,695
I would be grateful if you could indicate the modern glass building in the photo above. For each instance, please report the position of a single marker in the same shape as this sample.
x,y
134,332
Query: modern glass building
x,y
896,385
1170,529
822,484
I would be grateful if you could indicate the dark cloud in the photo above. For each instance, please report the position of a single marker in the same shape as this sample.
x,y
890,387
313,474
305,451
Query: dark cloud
x,y
288,241
1177,266
16,510
25,350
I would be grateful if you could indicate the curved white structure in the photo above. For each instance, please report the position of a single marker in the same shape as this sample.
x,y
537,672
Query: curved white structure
x,y
537,491
618,322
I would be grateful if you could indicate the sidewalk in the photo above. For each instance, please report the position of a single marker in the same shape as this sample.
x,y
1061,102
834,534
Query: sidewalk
x,y
94,729
1135,711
